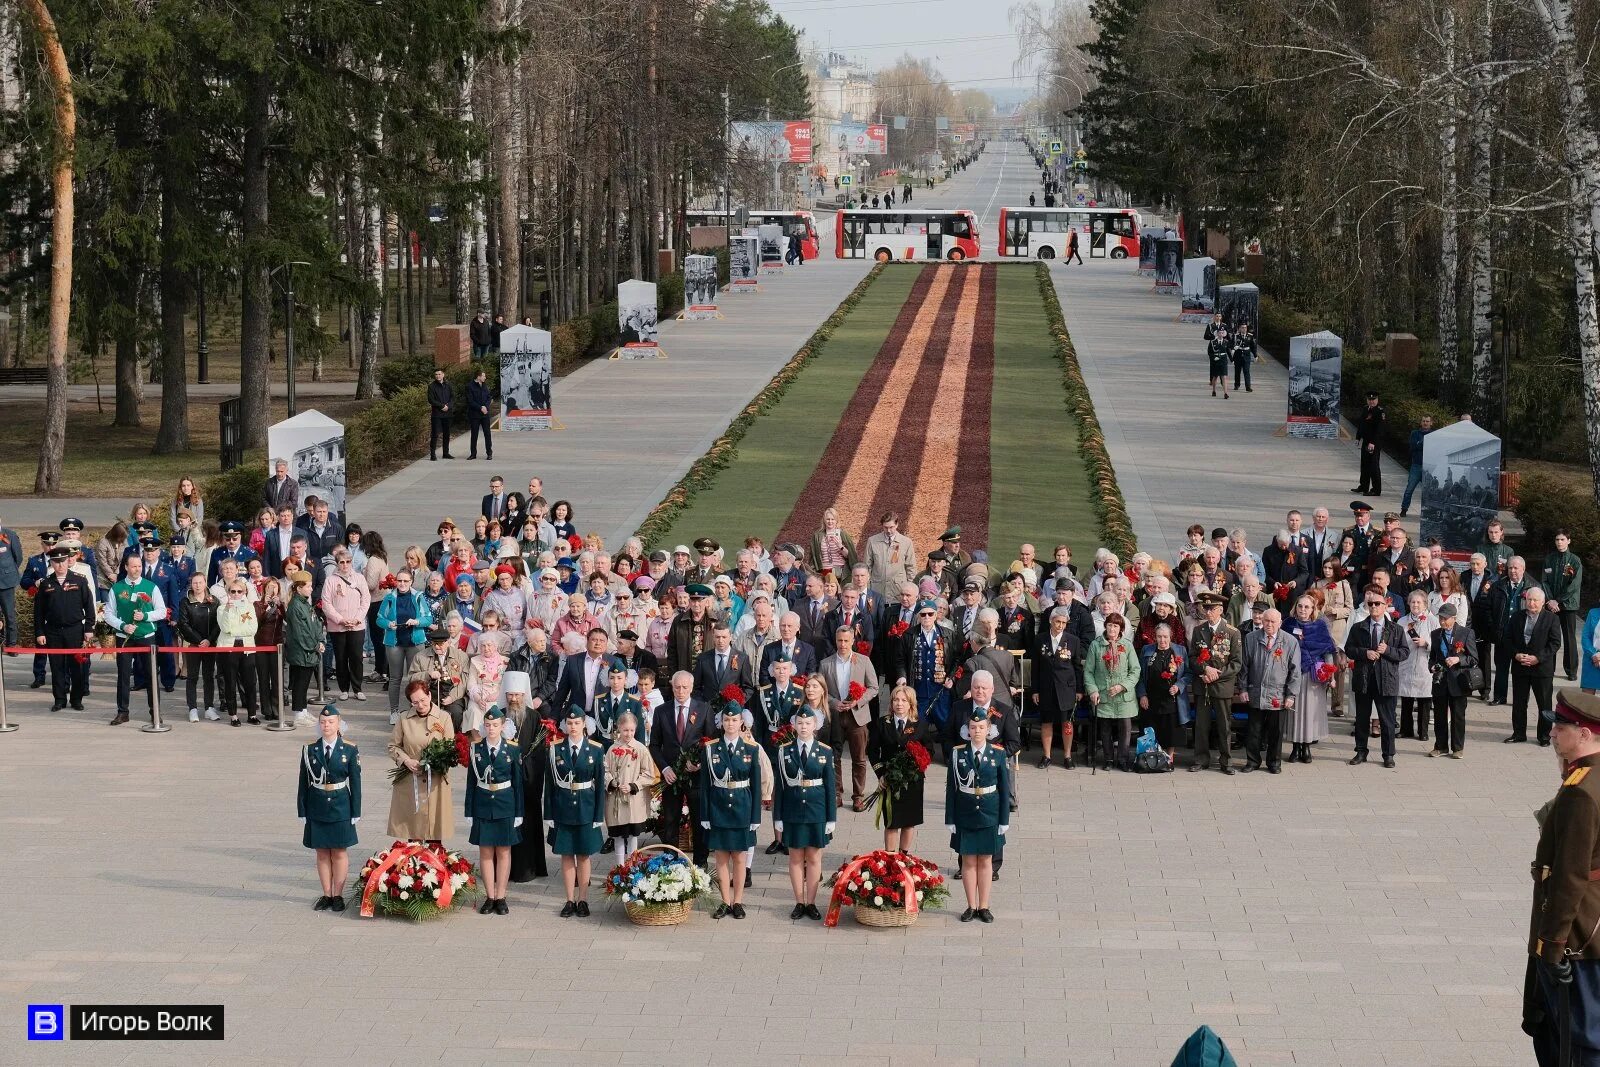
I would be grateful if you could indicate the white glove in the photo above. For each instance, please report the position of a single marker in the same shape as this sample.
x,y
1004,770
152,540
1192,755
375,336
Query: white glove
x,y
705,826
754,827
467,819
549,824
302,820
829,828
1003,830
518,822
355,820
778,826
599,826
949,827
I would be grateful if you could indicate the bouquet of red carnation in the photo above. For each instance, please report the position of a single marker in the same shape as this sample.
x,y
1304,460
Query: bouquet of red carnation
x,y
415,881
463,749
886,881
798,681
1325,673
675,797
898,629
857,691
1203,656
863,648
1281,590
732,694
900,771
782,735
387,582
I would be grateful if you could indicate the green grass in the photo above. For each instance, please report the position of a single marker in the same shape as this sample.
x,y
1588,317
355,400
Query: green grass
x,y
1041,490
758,489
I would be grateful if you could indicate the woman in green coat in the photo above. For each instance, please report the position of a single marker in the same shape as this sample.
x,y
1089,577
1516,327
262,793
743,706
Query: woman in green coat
x,y
1111,678
303,640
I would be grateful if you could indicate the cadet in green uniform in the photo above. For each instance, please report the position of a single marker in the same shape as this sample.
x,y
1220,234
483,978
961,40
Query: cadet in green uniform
x,y
330,806
613,702
775,705
494,806
1561,993
730,807
1563,585
574,807
977,803
804,810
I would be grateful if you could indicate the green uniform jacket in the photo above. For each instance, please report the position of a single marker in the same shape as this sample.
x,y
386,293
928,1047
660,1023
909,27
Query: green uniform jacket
x,y
1566,902
336,806
1563,579
1100,676
735,805
302,633
488,803
607,709
586,770
795,801
1498,556
978,771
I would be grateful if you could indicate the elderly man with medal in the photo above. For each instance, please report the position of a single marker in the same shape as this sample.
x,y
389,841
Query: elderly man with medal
x,y
329,804
927,662
775,707
730,806
494,806
977,810
805,809
575,807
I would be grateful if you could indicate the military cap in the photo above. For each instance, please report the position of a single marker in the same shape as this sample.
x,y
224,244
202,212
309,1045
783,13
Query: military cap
x,y
1391,516
143,524
706,546
927,605
330,711
977,714
149,541
1359,506
733,709
71,524
495,712
1577,708
952,534
49,537
59,552
699,590
626,635
616,666
72,544
232,526
782,657
1209,599
804,711
574,712
177,539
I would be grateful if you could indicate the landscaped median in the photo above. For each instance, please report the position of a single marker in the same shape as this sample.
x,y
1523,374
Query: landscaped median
x,y
946,393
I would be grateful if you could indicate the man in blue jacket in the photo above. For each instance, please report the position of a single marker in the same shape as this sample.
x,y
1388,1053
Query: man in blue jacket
x,y
11,560
1414,478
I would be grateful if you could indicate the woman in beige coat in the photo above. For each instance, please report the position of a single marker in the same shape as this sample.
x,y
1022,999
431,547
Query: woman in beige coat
x,y
420,807
630,776
1332,591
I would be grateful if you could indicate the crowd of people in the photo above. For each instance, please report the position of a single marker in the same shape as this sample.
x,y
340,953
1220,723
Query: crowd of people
x,y
517,617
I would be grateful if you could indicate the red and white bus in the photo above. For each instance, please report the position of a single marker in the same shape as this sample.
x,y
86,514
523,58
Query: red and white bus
x,y
1041,232
906,234
801,223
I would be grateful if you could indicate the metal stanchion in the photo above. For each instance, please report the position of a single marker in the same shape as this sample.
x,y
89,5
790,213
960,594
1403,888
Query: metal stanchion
x,y
321,687
5,727
152,687
284,723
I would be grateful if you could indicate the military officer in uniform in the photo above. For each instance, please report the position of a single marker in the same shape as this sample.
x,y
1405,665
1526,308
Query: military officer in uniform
x,y
1563,585
329,804
730,807
33,572
613,702
1215,656
950,541
72,530
705,572
575,808
1561,993
232,547
494,806
1369,432
977,803
1363,534
775,706
805,804
63,617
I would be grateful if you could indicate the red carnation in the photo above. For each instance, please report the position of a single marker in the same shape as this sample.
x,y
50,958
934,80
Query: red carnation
x,y
463,749
919,754
732,694
707,741
1460,647
857,691
1281,590
898,629
1203,656
863,648
1277,653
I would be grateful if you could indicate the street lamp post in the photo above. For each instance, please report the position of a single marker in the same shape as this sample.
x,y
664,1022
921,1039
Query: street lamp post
x,y
288,330
204,349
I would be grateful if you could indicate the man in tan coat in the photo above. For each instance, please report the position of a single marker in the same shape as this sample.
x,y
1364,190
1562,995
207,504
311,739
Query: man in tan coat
x,y
850,719
443,666
891,557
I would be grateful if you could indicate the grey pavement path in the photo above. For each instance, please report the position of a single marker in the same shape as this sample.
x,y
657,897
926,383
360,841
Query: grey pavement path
x,y
1182,456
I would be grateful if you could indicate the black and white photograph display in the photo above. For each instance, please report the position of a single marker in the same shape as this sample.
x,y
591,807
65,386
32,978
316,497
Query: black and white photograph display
x,y
1169,265
1316,370
744,258
1147,254
1199,289
699,287
314,446
770,236
636,321
525,379
1460,485
1240,303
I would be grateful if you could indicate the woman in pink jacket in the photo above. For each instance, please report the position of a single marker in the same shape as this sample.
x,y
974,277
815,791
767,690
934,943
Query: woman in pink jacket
x,y
345,599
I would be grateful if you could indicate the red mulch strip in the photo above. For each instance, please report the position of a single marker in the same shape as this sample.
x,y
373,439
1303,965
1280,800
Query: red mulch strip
x,y
969,496
899,480
823,486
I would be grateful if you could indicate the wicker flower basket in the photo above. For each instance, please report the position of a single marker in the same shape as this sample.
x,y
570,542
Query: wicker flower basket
x,y
884,918
658,914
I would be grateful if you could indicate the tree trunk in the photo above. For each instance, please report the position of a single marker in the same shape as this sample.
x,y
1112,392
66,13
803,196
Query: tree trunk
x,y
1485,402
255,295
1447,306
173,434
64,120
372,256
508,167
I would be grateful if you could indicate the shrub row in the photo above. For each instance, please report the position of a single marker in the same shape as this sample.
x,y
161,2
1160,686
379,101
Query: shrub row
x,y
1116,528
1545,505
724,449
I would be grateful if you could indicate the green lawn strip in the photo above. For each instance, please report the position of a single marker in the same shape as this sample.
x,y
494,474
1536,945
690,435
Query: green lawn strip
x,y
1041,491
775,457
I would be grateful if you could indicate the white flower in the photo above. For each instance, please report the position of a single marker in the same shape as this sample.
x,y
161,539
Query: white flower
x,y
431,878
405,896
458,880
406,881
437,893
867,884
919,894
878,901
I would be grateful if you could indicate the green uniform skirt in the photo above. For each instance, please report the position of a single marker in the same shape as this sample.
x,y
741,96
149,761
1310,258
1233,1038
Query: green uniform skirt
x,y
976,842
340,834
720,840
573,840
493,833
805,834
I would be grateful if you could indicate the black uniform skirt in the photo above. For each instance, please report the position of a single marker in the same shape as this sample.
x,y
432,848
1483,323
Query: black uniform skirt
x,y
906,810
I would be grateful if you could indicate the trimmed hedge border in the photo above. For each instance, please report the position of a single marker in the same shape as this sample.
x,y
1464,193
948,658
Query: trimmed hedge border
x,y
724,449
1544,506
1116,528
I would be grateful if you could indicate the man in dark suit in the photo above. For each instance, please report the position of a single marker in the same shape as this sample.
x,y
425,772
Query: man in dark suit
x,y
898,614
1452,653
494,501
813,610
680,723
1376,647
1057,656
872,602
479,407
279,540
1505,601
801,654
1288,569
1530,640
848,612
280,489
718,666
584,677
1478,587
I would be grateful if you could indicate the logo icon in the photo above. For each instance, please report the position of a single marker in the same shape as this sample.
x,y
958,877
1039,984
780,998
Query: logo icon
x,y
47,1022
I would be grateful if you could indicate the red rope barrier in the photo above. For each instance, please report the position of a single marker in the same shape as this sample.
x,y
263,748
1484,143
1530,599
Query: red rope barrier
x,y
97,649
